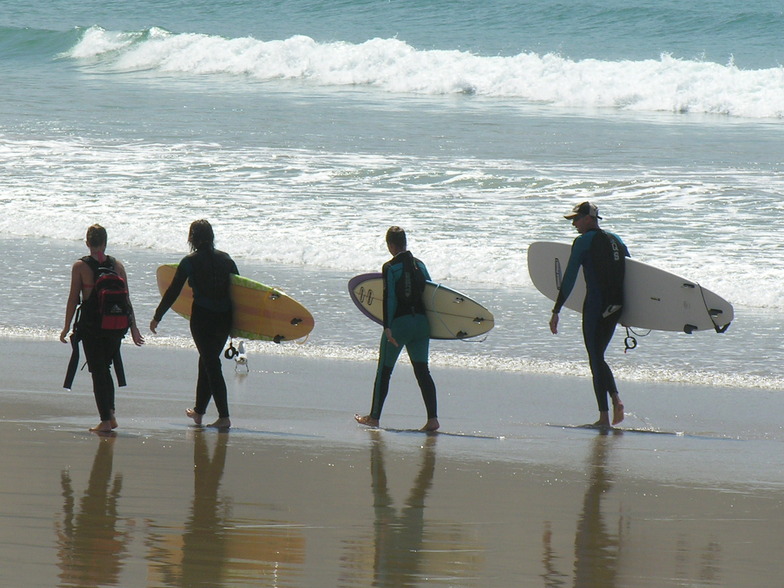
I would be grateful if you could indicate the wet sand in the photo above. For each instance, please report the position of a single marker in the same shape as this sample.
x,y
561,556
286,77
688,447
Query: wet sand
x,y
297,494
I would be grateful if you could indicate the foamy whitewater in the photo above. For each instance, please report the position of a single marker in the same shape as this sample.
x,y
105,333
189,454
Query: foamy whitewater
x,y
303,130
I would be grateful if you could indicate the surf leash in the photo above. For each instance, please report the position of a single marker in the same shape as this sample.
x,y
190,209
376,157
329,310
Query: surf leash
x,y
630,342
712,312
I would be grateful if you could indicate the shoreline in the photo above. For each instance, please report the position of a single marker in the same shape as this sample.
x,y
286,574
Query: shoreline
x,y
298,493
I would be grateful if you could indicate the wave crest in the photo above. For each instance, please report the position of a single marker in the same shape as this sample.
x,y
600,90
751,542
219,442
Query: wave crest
x,y
664,85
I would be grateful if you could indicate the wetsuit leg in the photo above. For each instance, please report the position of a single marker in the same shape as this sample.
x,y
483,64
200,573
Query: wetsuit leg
x,y
387,357
210,331
428,388
418,348
99,352
597,333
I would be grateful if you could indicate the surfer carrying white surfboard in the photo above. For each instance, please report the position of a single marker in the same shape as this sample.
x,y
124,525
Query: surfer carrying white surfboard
x,y
405,324
208,271
602,256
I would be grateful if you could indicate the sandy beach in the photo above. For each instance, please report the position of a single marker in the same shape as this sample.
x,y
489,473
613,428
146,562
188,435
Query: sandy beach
x,y
296,494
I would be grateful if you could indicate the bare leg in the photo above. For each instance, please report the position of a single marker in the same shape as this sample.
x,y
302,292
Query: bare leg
x,y
367,420
194,415
617,409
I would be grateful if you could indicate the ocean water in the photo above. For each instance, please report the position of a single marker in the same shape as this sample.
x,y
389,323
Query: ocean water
x,y
302,130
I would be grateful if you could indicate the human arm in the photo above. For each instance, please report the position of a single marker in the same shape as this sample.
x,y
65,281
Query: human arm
x,y
576,257
389,302
74,297
171,294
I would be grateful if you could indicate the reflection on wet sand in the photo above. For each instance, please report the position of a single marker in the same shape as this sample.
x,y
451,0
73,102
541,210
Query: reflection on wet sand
x,y
213,549
90,547
596,549
406,550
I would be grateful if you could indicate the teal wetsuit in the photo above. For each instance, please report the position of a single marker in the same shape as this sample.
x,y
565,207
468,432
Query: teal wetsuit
x,y
602,257
410,328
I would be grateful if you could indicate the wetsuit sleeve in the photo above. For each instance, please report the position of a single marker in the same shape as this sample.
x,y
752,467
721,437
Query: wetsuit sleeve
x,y
623,245
174,289
425,273
390,298
579,249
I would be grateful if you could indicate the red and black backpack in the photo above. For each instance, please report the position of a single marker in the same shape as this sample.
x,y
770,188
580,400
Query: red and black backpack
x,y
107,309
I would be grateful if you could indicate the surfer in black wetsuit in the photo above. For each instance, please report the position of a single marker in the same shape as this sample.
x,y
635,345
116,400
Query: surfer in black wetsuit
x,y
602,256
208,272
405,325
101,349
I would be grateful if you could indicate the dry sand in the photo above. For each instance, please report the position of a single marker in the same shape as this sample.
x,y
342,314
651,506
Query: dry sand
x,y
298,495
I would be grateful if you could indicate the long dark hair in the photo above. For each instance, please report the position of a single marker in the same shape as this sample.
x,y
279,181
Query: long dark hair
x,y
201,235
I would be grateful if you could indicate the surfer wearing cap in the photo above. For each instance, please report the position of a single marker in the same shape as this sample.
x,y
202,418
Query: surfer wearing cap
x,y
101,347
405,324
208,272
602,256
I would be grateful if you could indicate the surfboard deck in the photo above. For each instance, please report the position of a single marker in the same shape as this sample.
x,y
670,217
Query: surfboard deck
x,y
451,315
653,298
260,312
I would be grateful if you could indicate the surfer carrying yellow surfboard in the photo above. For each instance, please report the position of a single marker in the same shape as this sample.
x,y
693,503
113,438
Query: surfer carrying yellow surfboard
x,y
208,271
602,256
405,324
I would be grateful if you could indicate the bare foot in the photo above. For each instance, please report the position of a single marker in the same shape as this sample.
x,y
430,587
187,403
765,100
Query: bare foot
x,y
603,422
617,413
102,427
431,425
194,415
367,420
222,423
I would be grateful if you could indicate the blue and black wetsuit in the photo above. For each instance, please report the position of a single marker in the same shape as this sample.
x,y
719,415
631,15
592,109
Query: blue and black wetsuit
x,y
208,272
602,257
410,328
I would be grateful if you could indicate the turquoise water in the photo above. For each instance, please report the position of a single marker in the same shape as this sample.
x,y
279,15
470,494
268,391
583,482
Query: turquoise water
x,y
302,130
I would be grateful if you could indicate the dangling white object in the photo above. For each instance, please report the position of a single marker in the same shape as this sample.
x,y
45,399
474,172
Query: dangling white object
x,y
241,358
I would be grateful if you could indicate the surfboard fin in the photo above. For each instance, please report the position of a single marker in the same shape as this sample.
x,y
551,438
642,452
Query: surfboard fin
x,y
689,329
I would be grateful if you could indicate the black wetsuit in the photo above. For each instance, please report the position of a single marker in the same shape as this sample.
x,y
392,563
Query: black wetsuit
x,y
208,272
602,257
101,348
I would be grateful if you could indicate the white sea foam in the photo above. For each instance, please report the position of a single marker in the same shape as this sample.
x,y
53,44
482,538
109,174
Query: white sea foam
x,y
667,84
148,193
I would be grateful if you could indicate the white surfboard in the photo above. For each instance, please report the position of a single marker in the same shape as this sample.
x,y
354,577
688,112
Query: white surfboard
x,y
653,298
451,315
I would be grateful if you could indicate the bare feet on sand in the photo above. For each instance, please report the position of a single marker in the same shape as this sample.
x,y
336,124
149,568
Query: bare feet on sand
x,y
222,423
191,413
104,427
617,413
366,420
431,425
